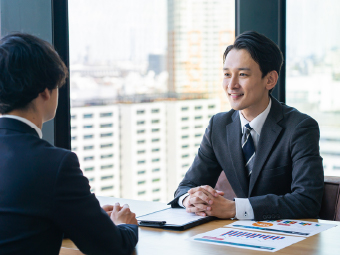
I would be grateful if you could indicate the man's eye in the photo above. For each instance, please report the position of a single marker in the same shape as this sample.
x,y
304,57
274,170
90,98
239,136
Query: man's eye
x,y
227,74
243,74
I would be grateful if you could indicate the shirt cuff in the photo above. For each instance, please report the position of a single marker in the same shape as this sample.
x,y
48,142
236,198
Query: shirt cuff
x,y
244,210
181,198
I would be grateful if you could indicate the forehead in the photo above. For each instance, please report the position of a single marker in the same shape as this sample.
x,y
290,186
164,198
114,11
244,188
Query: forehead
x,y
239,59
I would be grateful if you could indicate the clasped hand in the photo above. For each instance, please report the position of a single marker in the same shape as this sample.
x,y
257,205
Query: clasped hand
x,y
206,201
120,214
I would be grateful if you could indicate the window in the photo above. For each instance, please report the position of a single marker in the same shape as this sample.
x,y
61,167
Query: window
x,y
185,165
106,114
106,134
141,122
185,146
87,169
89,147
156,200
141,152
88,126
106,167
185,136
185,156
74,127
211,106
88,158
108,145
155,160
73,117
106,156
156,170
155,110
185,118
141,172
141,131
106,177
154,121
197,144
198,107
141,182
140,112
156,190
199,126
91,179
155,140
73,138
198,135
155,130
108,125
312,70
107,187
198,117
88,136
141,192
185,108
141,162
88,116
74,148
155,149
185,127
140,141
156,180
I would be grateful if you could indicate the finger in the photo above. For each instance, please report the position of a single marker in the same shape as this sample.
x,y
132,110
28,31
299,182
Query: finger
x,y
201,214
116,207
206,197
210,190
194,209
196,200
107,208
125,208
203,207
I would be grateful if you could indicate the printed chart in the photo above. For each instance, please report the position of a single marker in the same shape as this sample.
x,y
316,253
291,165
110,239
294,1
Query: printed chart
x,y
246,239
288,227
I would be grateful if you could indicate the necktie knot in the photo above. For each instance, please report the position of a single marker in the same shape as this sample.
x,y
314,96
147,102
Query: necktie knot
x,y
248,127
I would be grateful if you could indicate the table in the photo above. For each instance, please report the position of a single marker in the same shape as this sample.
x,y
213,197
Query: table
x,y
159,241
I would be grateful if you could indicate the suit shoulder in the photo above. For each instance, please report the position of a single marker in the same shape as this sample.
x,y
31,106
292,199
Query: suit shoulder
x,y
295,118
222,118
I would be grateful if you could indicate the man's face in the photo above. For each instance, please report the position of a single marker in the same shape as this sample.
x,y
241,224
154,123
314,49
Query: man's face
x,y
243,83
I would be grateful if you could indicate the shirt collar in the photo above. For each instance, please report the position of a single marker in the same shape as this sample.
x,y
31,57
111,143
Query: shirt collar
x,y
26,121
256,123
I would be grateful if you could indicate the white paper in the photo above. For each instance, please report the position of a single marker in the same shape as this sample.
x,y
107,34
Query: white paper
x,y
246,239
172,216
288,227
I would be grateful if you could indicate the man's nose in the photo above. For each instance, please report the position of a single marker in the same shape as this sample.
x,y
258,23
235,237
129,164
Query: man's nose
x,y
233,83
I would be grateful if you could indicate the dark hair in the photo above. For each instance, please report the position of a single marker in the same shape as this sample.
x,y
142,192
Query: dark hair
x,y
28,66
263,50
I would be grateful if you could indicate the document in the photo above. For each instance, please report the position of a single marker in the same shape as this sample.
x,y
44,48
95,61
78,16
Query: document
x,y
288,227
172,217
246,239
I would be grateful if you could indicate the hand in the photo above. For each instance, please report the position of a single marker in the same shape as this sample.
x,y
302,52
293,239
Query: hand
x,y
204,200
108,209
122,215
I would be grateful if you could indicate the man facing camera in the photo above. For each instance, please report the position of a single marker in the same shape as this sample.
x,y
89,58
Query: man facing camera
x,y
268,151
43,193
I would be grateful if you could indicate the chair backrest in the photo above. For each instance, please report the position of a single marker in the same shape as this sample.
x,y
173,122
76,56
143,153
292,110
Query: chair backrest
x,y
330,207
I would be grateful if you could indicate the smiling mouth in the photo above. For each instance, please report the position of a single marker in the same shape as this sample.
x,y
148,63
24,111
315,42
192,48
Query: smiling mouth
x,y
235,95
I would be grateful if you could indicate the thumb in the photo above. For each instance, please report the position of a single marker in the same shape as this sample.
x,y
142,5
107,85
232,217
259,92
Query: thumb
x,y
116,207
219,192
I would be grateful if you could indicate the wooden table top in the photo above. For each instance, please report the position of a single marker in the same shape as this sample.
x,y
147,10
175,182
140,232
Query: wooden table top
x,y
159,241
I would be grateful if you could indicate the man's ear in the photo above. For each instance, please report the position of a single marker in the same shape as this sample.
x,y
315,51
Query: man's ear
x,y
45,95
272,78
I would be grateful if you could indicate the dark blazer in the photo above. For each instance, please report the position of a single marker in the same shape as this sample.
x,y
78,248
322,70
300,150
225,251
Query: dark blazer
x,y
44,194
287,178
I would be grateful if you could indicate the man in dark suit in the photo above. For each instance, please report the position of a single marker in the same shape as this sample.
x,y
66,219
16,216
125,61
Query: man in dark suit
x,y
43,192
268,151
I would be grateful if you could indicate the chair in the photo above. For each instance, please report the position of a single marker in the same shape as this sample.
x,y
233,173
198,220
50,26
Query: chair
x,y
330,207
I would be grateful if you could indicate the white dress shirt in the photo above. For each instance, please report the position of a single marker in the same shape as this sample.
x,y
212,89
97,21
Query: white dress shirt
x,y
26,121
244,210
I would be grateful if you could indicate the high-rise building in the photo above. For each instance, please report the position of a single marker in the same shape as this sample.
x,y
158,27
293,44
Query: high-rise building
x,y
198,33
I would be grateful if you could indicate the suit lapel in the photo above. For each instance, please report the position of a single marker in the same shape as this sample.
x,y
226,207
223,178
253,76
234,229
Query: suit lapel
x,y
269,133
8,124
235,151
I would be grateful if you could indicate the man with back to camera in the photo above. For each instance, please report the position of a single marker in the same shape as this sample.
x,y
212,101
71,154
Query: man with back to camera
x,y
268,150
43,192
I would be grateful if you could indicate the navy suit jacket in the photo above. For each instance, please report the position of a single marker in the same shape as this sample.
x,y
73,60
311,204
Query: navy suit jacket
x,y
287,178
44,194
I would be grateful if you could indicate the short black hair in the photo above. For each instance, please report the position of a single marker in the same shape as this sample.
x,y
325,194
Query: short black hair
x,y
263,50
28,66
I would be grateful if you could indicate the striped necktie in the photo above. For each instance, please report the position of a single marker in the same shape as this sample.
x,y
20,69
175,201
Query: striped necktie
x,y
248,148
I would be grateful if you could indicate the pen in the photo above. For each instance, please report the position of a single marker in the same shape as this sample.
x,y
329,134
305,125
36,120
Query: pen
x,y
156,223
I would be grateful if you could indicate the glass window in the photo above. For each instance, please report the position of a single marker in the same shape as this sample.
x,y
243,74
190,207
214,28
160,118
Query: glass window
x,y
145,78
89,147
313,70
106,177
107,187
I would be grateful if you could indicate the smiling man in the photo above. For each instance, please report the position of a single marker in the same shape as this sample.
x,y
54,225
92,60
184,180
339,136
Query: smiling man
x,y
268,150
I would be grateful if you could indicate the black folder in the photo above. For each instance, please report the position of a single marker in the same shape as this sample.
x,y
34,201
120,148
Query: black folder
x,y
172,218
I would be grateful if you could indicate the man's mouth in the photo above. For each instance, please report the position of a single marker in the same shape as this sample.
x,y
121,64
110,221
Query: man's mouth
x,y
235,95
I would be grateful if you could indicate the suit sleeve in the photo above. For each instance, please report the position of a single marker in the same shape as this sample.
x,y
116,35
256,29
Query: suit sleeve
x,y
304,201
78,214
205,169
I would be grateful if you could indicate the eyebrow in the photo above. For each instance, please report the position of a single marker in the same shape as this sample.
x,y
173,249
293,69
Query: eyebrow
x,y
241,68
